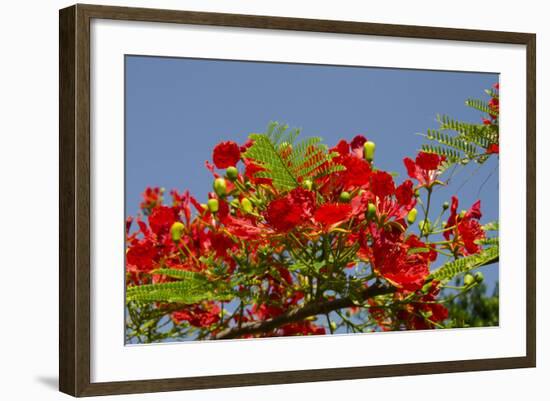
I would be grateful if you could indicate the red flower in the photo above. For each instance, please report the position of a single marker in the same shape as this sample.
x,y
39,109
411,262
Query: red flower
x,y
390,257
283,214
357,145
382,184
342,148
151,198
199,316
424,313
141,256
330,214
493,148
226,154
465,229
251,169
424,169
161,219
357,172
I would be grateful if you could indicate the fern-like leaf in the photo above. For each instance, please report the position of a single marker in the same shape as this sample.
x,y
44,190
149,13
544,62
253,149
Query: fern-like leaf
x,y
286,162
451,269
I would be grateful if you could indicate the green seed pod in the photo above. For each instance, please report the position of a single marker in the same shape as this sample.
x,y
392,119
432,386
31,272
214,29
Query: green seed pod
x,y
411,216
345,197
368,149
333,325
308,184
232,173
246,205
445,205
176,230
220,187
479,277
213,205
469,279
371,211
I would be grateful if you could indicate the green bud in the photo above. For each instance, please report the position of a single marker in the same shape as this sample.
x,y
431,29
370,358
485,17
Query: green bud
x,y
416,192
213,205
176,230
345,197
424,226
371,211
204,206
220,187
361,192
445,205
411,217
232,173
246,205
479,277
444,224
462,214
469,279
235,203
333,325
308,184
368,149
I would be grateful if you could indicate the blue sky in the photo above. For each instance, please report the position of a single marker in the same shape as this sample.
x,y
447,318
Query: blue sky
x,y
177,109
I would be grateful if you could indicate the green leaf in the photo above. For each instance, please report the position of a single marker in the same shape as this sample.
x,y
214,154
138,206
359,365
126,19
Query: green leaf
x,y
465,264
287,162
192,288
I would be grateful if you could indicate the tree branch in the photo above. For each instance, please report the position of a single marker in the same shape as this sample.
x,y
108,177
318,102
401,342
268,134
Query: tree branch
x,y
297,314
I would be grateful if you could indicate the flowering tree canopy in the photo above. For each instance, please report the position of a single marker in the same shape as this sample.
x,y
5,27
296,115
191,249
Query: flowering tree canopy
x,y
297,238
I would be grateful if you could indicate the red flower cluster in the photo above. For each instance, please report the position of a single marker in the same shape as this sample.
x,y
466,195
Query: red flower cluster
x,y
278,250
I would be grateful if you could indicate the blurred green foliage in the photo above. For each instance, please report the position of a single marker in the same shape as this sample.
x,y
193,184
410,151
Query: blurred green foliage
x,y
474,309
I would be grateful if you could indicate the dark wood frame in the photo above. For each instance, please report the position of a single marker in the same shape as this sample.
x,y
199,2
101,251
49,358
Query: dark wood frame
x,y
74,199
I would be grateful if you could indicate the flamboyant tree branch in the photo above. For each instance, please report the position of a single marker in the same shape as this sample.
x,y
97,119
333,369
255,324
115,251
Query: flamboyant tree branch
x,y
298,314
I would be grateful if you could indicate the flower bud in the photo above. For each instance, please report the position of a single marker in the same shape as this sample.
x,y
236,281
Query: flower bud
x,y
469,279
246,205
462,214
479,277
416,193
213,205
220,187
371,211
368,150
411,216
232,173
204,206
176,230
445,205
345,197
235,203
425,226
308,184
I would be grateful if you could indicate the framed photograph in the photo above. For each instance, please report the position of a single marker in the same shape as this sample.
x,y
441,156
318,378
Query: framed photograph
x,y
249,200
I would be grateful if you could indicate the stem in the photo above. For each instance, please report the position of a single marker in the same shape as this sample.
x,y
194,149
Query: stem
x,y
300,313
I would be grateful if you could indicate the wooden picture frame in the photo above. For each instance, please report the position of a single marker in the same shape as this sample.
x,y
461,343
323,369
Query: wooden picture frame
x,y
74,203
